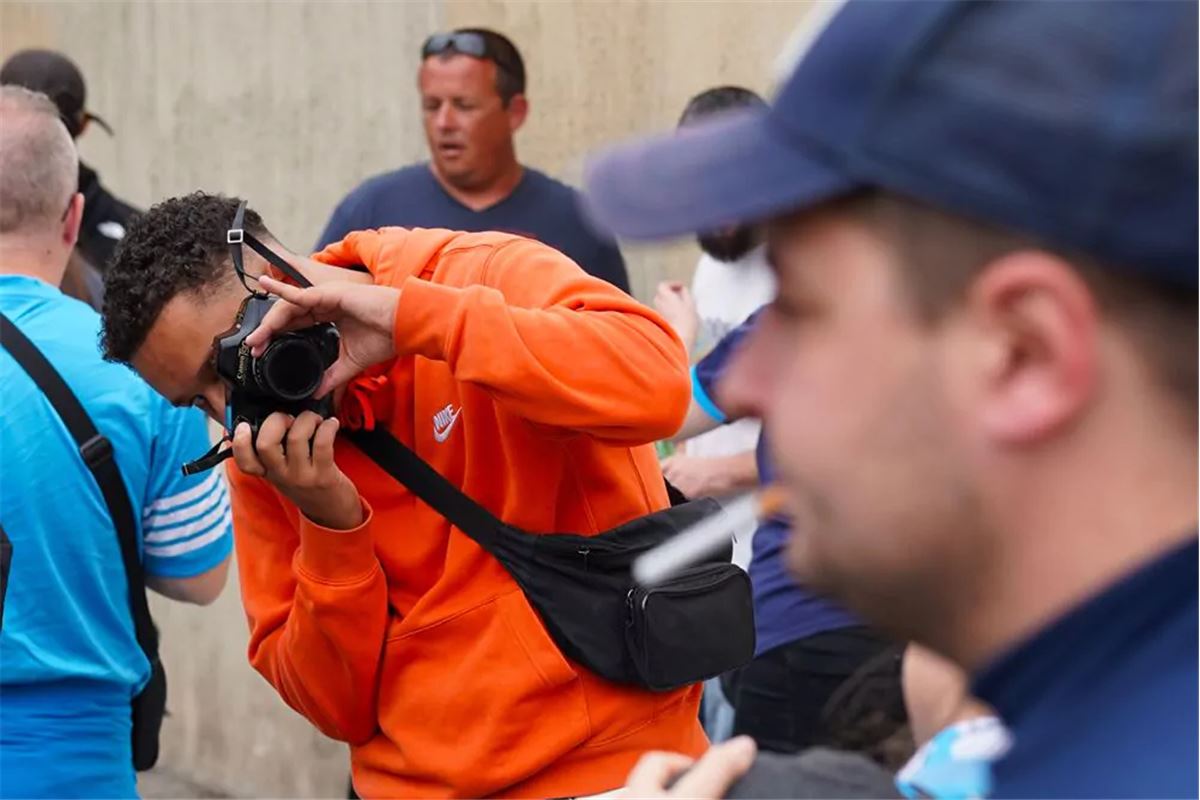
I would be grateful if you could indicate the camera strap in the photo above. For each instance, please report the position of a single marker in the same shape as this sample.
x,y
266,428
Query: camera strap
x,y
412,471
236,236
214,456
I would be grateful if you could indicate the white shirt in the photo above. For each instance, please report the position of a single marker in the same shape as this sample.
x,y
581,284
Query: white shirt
x,y
725,294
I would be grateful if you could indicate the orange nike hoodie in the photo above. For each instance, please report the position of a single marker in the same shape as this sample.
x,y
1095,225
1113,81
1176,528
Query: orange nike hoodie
x,y
535,388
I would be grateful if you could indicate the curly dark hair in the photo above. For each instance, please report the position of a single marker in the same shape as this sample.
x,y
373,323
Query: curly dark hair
x,y
177,246
866,714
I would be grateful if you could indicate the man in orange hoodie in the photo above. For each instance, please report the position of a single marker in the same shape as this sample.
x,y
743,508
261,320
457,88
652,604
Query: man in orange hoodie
x,y
530,385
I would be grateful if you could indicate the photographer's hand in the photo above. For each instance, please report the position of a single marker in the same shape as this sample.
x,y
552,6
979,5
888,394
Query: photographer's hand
x,y
365,317
306,475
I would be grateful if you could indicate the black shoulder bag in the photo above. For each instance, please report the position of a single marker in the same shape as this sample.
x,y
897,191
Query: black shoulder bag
x,y
150,704
5,563
690,628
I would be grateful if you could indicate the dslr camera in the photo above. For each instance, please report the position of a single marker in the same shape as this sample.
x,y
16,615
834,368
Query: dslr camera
x,y
283,378
287,373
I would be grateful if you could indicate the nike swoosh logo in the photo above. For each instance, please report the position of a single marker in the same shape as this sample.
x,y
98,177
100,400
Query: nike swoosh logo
x,y
440,435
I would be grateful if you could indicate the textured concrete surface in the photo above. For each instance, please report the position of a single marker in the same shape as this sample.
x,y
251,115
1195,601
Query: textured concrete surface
x,y
291,104
160,784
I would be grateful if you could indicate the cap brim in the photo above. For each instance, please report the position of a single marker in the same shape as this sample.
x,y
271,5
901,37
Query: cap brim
x,y
737,169
96,119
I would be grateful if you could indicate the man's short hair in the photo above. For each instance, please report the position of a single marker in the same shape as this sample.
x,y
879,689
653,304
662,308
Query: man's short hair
x,y
719,100
942,253
510,67
178,246
39,166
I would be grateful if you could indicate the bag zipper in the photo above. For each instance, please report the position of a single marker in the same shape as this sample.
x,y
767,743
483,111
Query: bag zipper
x,y
683,584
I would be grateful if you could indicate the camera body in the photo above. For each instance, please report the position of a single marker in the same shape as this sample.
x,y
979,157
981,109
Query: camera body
x,y
283,378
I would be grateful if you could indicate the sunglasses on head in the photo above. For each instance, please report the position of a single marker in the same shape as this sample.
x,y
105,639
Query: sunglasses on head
x,y
467,44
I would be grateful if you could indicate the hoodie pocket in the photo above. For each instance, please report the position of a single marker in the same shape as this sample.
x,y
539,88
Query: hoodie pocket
x,y
480,700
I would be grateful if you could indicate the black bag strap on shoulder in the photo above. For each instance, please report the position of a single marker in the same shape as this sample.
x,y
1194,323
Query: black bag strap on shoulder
x,y
398,460
698,625
5,563
97,454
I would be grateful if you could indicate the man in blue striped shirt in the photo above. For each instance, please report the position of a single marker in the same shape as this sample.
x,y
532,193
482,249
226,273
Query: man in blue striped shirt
x,y
69,661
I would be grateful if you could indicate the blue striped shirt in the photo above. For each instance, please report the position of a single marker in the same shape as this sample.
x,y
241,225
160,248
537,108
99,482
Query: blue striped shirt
x,y
69,661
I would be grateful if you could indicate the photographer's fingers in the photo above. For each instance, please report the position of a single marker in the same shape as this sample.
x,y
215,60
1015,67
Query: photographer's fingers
x,y
299,451
243,451
309,297
322,447
269,444
298,309
339,374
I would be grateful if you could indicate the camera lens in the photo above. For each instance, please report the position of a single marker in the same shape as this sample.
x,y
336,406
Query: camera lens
x,y
290,369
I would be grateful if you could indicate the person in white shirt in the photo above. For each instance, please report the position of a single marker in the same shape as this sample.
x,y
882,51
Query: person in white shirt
x,y
732,280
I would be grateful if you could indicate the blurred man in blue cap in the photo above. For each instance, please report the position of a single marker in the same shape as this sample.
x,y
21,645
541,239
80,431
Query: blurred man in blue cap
x,y
980,369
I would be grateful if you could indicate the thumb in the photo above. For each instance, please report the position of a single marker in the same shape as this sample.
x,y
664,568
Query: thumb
x,y
342,372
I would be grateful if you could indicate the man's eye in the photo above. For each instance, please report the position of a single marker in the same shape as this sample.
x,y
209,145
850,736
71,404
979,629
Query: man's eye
x,y
796,307
784,309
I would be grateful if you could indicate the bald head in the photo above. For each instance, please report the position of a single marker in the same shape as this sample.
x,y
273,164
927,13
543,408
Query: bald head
x,y
39,166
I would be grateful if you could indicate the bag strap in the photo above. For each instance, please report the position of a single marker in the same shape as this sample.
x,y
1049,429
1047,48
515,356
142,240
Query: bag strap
x,y
5,563
399,461
97,454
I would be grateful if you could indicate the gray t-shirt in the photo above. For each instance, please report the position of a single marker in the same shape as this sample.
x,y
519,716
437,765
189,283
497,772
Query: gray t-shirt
x,y
815,773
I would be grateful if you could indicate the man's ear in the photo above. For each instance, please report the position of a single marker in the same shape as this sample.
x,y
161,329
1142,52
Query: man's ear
x,y
73,220
518,110
1040,336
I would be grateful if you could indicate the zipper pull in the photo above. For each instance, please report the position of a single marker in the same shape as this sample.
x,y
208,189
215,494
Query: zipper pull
x,y
584,551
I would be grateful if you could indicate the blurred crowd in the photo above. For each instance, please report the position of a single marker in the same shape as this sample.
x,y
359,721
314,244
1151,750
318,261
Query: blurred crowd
x,y
942,329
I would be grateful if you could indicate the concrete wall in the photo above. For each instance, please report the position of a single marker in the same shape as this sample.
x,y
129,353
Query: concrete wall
x,y
293,103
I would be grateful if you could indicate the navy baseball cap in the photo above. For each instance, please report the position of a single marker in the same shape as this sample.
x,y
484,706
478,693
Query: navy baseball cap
x,y
1073,122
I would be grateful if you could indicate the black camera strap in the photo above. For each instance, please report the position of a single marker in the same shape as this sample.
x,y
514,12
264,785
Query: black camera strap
x,y
236,236
412,471
97,453
215,455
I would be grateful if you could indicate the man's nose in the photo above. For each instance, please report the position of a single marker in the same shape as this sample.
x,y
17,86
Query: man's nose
x,y
446,119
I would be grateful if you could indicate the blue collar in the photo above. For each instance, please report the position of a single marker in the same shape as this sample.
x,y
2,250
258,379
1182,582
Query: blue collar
x,y
1091,641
